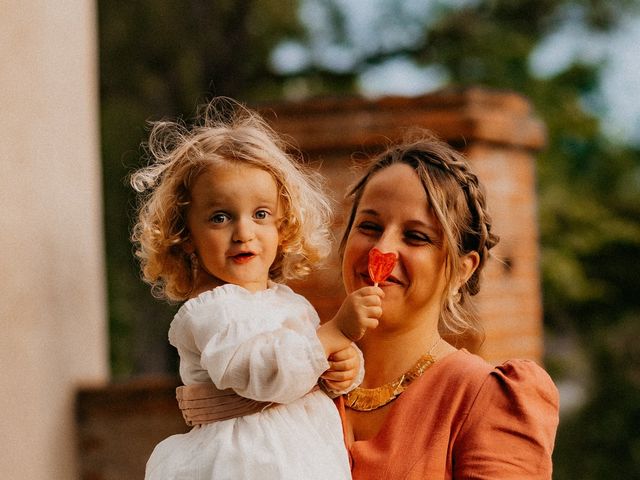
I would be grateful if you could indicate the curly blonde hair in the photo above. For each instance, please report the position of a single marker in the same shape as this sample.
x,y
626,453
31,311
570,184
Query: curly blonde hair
x,y
224,131
458,202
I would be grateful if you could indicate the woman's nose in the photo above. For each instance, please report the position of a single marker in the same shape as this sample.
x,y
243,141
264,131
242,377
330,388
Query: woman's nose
x,y
243,231
386,243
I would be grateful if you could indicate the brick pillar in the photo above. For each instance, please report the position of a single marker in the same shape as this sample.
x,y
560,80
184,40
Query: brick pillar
x,y
499,134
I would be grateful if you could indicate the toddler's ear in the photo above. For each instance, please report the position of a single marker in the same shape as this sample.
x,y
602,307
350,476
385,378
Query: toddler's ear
x,y
188,247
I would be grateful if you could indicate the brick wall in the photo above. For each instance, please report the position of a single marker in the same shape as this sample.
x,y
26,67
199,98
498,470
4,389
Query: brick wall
x,y
118,426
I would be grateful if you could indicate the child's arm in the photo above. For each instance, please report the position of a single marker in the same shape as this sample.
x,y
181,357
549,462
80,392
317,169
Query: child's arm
x,y
267,365
359,311
276,360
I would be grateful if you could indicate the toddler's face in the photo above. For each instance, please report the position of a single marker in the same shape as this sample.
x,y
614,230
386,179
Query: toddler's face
x,y
233,224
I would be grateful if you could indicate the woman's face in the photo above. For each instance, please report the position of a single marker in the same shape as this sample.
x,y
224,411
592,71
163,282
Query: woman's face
x,y
394,216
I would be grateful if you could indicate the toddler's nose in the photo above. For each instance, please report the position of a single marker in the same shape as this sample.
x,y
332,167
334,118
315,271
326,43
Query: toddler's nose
x,y
243,231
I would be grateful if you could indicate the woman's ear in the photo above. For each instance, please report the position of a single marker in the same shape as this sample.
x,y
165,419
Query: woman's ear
x,y
468,264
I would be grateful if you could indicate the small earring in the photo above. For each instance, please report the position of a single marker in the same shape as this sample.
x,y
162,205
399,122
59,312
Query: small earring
x,y
193,259
457,295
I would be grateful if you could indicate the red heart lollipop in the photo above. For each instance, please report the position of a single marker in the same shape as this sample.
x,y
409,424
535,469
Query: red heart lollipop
x,y
380,265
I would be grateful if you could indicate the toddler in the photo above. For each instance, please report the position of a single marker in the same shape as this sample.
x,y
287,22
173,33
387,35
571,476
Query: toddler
x,y
225,216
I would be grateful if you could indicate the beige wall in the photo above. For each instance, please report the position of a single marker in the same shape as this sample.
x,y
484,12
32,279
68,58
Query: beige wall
x,y
52,302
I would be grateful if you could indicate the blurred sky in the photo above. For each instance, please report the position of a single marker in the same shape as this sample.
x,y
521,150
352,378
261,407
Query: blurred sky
x,y
379,25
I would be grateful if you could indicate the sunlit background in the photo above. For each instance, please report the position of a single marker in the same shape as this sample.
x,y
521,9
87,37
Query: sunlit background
x,y
576,61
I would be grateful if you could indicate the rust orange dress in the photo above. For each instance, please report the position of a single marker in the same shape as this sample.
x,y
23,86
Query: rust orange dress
x,y
464,419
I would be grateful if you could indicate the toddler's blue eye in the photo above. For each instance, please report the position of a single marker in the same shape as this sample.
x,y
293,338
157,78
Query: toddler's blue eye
x,y
219,218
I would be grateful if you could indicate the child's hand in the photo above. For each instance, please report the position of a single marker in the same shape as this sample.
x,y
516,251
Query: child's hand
x,y
359,311
344,366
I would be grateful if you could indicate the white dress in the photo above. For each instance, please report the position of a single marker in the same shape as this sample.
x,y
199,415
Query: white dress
x,y
263,345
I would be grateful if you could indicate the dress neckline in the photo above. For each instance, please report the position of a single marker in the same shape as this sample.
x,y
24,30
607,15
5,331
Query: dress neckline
x,y
228,288
399,401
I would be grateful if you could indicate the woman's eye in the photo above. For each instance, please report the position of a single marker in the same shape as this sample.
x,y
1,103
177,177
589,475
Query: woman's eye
x,y
219,218
417,237
261,214
369,228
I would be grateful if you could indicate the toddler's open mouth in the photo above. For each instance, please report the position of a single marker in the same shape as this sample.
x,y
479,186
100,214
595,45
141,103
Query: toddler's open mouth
x,y
243,257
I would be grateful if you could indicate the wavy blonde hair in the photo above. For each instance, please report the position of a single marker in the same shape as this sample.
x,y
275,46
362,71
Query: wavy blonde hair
x,y
457,200
224,131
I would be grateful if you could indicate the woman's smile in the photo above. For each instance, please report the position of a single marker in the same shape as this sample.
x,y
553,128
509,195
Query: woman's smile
x,y
390,281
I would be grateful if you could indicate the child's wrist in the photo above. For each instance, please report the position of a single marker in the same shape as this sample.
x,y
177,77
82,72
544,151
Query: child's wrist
x,y
349,335
332,337
326,389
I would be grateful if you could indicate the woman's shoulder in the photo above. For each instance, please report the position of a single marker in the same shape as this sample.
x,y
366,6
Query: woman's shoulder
x,y
524,376
517,388
463,368
472,366
518,379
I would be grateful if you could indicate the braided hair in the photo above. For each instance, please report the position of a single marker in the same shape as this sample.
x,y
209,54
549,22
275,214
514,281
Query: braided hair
x,y
457,200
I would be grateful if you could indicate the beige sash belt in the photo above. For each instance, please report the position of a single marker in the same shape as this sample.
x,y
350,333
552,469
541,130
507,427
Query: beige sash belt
x,y
203,403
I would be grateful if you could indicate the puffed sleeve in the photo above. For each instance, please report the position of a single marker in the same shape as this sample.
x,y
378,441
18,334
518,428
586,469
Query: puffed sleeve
x,y
510,430
276,364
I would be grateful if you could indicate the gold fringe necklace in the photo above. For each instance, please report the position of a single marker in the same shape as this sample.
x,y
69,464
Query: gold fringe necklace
x,y
367,399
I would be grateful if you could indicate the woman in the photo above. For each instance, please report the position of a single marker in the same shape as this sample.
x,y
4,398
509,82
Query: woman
x,y
426,409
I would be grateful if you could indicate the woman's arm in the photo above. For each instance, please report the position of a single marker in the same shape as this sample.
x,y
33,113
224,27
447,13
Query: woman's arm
x,y
510,430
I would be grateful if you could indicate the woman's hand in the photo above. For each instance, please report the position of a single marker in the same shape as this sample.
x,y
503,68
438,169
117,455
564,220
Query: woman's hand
x,y
344,366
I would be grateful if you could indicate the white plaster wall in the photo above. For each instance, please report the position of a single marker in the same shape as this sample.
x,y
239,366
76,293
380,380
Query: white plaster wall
x,y
52,288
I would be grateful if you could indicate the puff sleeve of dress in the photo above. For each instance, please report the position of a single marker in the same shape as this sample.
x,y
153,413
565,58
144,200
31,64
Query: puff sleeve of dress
x,y
263,345
510,429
